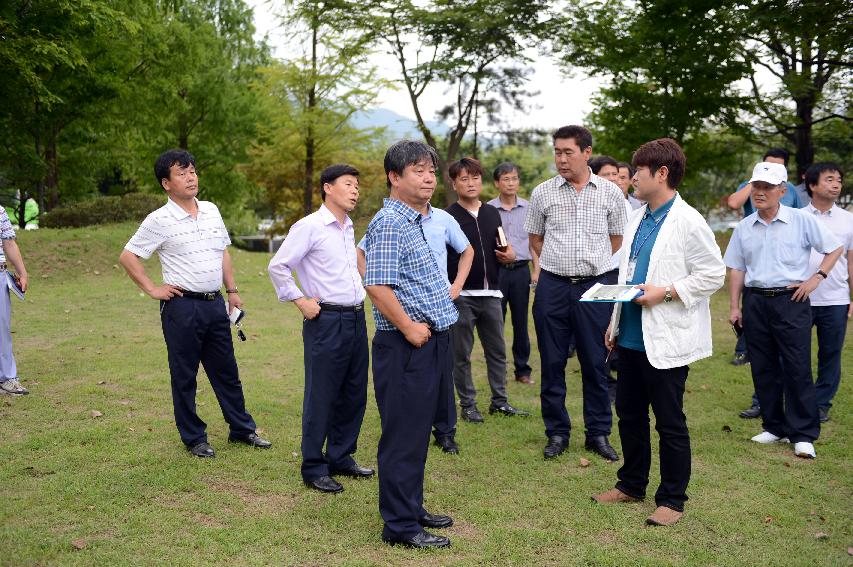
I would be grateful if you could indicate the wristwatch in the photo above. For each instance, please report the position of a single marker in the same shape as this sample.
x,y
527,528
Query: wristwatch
x,y
822,274
667,295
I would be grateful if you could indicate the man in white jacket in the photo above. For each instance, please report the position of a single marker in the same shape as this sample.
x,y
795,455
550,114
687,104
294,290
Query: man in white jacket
x,y
671,254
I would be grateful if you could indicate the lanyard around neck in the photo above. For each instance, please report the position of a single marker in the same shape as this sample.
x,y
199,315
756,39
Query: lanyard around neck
x,y
635,249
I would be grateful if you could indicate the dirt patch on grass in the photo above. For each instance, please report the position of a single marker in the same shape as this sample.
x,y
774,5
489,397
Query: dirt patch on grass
x,y
255,502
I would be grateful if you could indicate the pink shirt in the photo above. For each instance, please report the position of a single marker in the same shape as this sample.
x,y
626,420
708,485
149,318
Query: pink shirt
x,y
322,252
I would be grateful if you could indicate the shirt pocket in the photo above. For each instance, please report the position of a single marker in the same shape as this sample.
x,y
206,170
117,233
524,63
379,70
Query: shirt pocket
x,y
217,237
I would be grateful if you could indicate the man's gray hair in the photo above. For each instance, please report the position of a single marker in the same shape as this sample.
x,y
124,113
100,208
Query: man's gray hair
x,y
405,153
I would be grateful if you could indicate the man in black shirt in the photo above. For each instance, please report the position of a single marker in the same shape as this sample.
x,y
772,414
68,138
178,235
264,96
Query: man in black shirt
x,y
479,303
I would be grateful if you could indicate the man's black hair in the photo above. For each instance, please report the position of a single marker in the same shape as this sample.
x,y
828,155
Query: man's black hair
x,y
813,173
405,153
164,163
581,136
777,153
628,166
596,163
331,174
503,169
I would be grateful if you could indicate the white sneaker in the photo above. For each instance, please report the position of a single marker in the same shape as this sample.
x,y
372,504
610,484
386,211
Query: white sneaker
x,y
13,387
766,438
804,449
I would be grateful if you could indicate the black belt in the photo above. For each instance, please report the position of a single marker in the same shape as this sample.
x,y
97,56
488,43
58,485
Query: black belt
x,y
772,291
574,280
515,265
203,295
344,308
2,266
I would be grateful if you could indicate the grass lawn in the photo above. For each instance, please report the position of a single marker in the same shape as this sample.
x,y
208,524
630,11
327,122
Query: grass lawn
x,y
93,472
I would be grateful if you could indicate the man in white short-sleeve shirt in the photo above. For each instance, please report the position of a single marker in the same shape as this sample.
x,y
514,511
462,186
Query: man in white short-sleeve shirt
x,y
190,239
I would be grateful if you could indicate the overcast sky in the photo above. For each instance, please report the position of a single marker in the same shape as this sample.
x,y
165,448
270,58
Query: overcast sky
x,y
560,100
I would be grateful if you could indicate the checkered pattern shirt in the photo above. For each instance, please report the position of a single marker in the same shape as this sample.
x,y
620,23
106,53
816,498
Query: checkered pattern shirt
x,y
399,256
576,226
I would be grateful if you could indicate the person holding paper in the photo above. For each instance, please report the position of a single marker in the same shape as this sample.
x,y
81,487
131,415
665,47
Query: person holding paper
x,y
9,383
320,248
672,255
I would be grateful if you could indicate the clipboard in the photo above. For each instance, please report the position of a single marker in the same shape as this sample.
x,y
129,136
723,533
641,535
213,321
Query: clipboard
x,y
13,285
611,293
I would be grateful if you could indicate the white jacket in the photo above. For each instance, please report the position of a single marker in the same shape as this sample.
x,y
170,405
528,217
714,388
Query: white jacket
x,y
686,256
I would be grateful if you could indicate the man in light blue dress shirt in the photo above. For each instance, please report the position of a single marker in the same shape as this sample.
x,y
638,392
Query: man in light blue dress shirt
x,y
769,254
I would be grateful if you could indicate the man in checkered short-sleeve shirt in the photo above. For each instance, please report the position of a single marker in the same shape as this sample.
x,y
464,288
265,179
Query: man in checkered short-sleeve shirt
x,y
411,348
9,383
575,223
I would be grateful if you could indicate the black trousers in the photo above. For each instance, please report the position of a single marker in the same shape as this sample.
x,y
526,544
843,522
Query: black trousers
x,y
336,360
639,386
444,423
406,381
558,316
199,331
778,338
515,286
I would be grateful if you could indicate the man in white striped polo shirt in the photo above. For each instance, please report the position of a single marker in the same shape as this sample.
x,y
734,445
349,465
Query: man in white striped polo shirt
x,y
190,239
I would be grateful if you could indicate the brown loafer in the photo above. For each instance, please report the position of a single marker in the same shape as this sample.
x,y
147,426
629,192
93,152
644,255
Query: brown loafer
x,y
614,496
524,379
664,516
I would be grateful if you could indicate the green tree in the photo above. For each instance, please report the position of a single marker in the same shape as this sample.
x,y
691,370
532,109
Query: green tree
x,y
279,161
476,49
807,46
671,74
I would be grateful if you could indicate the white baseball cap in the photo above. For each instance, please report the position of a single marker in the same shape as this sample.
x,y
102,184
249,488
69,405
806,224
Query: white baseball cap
x,y
772,173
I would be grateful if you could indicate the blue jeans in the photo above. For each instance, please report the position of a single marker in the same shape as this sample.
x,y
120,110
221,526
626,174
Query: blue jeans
x,y
831,324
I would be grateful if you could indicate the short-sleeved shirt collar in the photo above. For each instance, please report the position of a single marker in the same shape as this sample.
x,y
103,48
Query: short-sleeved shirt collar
x,y
402,209
178,212
815,211
783,214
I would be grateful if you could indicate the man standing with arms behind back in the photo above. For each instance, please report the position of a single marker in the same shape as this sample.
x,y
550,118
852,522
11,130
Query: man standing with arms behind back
x,y
191,241
411,348
575,223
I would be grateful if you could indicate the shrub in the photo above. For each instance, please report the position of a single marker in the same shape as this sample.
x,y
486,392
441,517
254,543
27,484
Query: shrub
x,y
103,210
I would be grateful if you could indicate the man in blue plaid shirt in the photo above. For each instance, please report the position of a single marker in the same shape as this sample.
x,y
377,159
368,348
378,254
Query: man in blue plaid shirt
x,y
411,348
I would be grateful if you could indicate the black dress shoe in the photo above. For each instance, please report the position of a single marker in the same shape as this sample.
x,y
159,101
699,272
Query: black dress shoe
x,y
251,439
555,447
751,413
507,409
436,521
420,541
740,359
472,415
202,450
601,446
447,444
325,484
354,471
823,414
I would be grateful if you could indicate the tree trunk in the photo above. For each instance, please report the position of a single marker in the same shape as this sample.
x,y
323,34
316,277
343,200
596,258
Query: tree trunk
x,y
51,158
803,135
310,143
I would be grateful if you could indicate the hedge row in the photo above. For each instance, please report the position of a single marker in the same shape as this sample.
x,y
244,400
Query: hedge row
x,y
103,210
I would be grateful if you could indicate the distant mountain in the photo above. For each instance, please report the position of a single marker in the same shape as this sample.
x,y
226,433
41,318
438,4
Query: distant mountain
x,y
397,126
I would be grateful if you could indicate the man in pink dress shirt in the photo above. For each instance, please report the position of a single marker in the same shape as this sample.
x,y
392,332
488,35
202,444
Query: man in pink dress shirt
x,y
321,249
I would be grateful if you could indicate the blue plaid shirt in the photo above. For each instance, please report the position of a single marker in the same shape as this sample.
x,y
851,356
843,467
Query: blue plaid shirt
x,y
399,256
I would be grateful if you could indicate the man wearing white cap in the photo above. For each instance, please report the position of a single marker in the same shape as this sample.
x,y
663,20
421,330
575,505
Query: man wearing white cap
x,y
769,254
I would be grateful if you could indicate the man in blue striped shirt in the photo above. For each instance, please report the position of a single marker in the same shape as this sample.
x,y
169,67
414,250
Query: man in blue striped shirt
x,y
411,348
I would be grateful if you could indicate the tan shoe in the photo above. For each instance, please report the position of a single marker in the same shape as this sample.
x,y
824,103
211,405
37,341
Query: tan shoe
x,y
664,516
614,496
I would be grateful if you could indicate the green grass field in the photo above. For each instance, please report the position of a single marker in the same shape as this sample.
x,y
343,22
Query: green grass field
x,y
120,489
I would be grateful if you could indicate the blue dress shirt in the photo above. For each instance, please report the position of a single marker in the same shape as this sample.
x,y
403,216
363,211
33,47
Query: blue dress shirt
x,y
776,254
